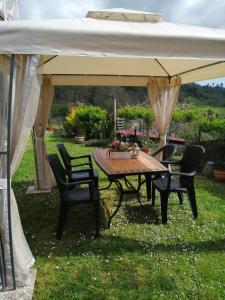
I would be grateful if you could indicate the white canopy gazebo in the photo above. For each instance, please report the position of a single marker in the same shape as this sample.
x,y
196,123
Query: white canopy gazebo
x,y
8,10
111,48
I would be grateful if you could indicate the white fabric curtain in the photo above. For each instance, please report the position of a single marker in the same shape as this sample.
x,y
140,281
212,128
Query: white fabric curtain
x,y
45,176
24,107
163,94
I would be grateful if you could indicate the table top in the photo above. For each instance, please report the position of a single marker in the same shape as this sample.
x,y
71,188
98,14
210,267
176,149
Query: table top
x,y
144,164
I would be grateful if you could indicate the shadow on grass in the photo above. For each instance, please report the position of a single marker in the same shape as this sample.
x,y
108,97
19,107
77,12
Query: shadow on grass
x,y
117,246
39,214
140,214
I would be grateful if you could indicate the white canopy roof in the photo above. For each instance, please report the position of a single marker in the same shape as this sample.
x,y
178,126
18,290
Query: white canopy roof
x,y
117,52
9,9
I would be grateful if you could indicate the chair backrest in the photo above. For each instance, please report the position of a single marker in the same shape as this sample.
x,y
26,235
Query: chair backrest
x,y
65,156
120,123
193,154
57,169
167,151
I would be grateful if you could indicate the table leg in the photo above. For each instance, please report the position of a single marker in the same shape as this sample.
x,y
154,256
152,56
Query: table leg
x,y
137,191
149,210
127,182
107,187
132,190
120,188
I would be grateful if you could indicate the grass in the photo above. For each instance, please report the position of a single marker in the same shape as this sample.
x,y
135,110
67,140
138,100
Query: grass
x,y
134,259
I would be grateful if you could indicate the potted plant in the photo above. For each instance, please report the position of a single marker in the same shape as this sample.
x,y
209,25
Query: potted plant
x,y
219,171
147,146
79,136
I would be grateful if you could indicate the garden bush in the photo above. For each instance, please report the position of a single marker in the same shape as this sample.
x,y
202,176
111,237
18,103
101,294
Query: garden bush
x,y
196,125
215,124
88,120
131,112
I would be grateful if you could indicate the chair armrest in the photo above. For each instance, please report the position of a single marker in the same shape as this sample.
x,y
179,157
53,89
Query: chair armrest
x,y
71,184
171,162
79,165
191,174
81,156
155,153
90,170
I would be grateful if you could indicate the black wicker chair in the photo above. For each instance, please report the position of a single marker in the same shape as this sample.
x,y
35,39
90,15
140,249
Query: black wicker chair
x,y
71,193
167,152
68,163
189,163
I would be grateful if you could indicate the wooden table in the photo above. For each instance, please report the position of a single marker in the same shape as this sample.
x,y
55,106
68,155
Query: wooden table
x,y
117,169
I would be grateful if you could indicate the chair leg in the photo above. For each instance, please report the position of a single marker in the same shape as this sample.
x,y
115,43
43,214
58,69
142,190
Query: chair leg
x,y
181,198
164,204
148,186
192,199
97,217
62,220
96,184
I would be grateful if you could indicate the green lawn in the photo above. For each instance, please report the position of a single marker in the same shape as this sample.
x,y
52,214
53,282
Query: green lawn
x,y
134,259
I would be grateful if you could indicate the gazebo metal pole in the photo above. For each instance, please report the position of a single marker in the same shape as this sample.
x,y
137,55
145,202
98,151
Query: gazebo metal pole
x,y
114,116
35,157
9,125
2,267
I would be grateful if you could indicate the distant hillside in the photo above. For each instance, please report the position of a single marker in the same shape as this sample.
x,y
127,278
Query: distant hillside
x,y
209,95
102,96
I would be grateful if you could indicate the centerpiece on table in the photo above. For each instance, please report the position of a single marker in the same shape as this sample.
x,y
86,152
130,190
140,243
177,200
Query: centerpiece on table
x,y
123,150
147,146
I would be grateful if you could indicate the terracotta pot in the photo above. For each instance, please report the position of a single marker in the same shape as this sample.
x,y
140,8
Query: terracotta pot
x,y
146,150
79,139
219,175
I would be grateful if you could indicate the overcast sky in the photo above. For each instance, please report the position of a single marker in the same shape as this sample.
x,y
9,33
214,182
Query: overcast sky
x,y
196,12
199,12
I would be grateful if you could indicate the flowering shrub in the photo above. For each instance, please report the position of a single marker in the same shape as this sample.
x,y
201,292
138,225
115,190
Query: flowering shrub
x,y
88,120
119,146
